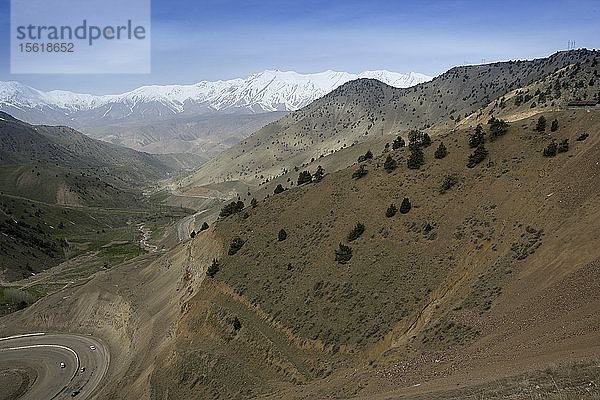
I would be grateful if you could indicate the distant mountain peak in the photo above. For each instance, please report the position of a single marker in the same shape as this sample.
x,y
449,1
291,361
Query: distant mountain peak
x,y
269,90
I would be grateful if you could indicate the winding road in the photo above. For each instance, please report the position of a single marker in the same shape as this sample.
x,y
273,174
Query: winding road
x,y
30,366
183,226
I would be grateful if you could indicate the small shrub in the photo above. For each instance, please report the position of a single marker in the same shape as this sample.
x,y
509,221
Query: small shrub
x,y
405,206
356,232
237,325
360,172
391,211
478,156
518,100
278,189
390,164
449,181
582,137
282,235
563,147
213,268
367,156
441,151
541,124
550,150
253,202
204,226
304,177
235,246
343,254
554,126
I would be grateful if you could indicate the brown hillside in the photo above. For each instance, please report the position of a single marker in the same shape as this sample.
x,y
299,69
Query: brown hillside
x,y
488,278
363,109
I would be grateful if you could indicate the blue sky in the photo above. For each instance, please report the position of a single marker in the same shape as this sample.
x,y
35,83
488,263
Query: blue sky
x,y
220,39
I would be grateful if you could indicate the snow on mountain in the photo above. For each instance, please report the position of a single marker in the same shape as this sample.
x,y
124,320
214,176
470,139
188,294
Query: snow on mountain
x,y
270,90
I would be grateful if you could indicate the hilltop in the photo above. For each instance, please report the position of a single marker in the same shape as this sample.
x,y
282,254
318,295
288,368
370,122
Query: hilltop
x,y
365,110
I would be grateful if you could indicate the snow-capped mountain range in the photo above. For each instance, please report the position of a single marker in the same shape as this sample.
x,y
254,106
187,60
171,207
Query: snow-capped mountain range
x,y
271,90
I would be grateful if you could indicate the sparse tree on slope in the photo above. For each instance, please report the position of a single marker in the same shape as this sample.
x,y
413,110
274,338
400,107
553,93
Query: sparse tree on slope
x,y
441,151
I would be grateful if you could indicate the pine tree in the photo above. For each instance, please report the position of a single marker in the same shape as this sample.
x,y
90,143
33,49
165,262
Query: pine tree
x,y
304,177
398,143
449,181
278,189
390,164
343,254
282,235
426,140
204,226
441,151
551,150
416,158
405,206
318,176
478,156
235,245
554,126
541,124
356,232
367,156
498,128
231,208
391,211
563,147
213,268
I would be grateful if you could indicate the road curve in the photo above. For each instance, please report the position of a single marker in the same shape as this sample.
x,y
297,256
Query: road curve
x,y
35,361
184,226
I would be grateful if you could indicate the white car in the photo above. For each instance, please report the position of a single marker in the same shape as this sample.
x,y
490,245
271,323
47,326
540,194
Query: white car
x,y
82,369
62,365
92,347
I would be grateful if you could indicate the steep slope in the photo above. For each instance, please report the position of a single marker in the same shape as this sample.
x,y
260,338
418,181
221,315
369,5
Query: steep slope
x,y
562,89
65,147
486,280
363,109
63,194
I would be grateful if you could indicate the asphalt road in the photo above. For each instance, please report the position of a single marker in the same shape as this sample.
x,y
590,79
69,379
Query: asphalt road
x,y
183,226
37,358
